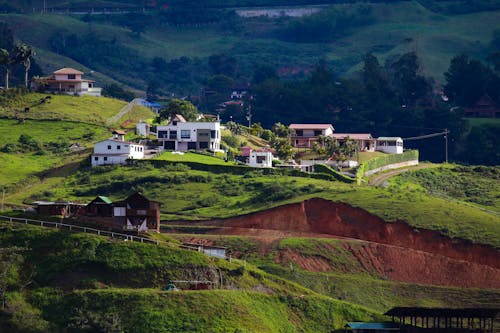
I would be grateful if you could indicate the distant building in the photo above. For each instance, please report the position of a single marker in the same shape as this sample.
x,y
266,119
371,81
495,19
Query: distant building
x,y
390,145
66,81
182,135
63,208
260,159
306,134
142,128
116,150
485,108
101,206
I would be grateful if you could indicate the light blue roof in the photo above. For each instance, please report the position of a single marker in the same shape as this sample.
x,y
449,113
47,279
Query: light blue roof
x,y
372,326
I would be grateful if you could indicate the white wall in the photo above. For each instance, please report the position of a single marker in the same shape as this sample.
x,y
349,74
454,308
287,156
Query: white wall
x,y
266,163
192,127
390,147
116,152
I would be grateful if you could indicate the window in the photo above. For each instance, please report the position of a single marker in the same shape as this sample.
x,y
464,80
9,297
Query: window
x,y
203,145
316,132
109,147
118,147
261,159
213,134
173,135
192,145
185,134
71,76
299,132
162,134
96,158
203,134
105,158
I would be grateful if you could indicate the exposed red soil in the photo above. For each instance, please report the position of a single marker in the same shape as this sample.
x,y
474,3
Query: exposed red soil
x,y
394,250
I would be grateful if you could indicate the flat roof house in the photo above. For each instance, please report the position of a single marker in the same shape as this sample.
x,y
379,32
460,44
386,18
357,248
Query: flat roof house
x,y
182,135
67,81
306,134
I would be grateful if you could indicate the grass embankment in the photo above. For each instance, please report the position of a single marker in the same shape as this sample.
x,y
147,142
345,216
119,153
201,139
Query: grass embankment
x,y
53,125
194,194
479,185
81,281
192,157
343,276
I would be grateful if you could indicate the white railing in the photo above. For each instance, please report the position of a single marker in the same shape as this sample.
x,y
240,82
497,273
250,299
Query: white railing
x,y
79,228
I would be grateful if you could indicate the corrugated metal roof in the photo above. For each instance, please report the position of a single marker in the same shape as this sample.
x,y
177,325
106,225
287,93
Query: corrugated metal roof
x,y
444,312
389,138
105,199
372,326
355,136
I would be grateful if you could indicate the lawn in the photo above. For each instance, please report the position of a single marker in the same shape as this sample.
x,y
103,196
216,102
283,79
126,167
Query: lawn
x,y
84,109
192,157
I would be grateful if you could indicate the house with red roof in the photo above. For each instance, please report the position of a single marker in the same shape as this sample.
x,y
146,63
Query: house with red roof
x,y
365,140
66,81
304,135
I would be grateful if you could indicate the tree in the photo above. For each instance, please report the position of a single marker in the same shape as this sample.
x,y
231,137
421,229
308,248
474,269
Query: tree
x,y
5,62
281,130
10,262
283,147
465,80
410,86
181,107
23,54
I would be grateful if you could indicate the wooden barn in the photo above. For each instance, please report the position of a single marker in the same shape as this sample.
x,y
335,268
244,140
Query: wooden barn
x,y
137,213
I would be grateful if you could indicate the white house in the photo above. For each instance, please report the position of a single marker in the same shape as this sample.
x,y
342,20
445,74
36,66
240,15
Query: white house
x,y
116,150
306,134
260,159
67,81
390,145
182,135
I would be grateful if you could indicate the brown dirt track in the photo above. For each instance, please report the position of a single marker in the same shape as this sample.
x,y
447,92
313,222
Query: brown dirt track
x,y
394,250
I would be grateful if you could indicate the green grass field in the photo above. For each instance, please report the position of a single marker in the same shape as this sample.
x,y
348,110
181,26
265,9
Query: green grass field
x,y
192,157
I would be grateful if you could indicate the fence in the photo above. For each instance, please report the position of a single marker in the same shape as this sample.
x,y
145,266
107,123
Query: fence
x,y
79,228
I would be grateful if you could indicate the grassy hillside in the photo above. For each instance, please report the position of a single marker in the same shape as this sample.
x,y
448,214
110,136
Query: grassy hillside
x,y
53,125
79,281
397,28
186,193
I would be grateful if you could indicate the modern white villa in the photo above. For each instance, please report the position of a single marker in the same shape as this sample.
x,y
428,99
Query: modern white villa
x,y
182,135
66,81
116,150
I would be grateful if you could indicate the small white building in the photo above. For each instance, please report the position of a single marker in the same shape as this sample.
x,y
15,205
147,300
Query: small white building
x,y
142,128
260,159
390,145
116,150
182,135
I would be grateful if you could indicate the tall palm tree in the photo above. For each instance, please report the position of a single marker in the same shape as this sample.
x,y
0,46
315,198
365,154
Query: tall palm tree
x,y
23,54
5,61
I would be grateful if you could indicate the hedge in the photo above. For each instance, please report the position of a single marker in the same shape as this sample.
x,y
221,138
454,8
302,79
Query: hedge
x,y
325,169
381,161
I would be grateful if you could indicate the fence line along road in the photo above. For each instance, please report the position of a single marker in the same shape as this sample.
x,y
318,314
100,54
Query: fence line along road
x,y
79,228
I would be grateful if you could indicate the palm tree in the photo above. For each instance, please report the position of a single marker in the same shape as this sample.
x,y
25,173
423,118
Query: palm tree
x,y
23,54
5,61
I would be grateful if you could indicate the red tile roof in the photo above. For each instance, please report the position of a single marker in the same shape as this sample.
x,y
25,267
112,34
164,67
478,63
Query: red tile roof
x,y
310,126
68,70
355,136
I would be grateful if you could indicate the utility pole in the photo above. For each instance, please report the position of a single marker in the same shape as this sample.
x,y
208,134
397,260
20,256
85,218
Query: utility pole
x,y
446,144
3,198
